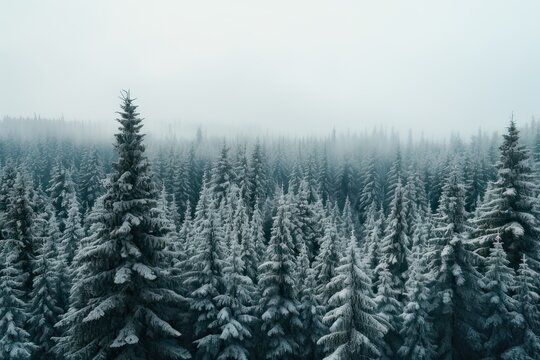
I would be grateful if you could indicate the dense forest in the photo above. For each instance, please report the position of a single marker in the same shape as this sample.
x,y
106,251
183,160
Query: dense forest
x,y
340,247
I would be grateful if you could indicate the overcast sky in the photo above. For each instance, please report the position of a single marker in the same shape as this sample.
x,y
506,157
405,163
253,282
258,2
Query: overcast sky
x,y
284,66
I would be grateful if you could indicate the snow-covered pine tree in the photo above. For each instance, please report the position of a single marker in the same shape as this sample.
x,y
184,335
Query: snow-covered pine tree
x,y
348,223
14,338
91,175
527,346
205,280
235,318
240,172
48,292
395,177
389,308
356,330
61,189
311,310
257,241
502,319
327,261
222,176
305,218
122,306
510,209
395,244
278,305
454,284
417,327
19,231
73,232
371,191
257,177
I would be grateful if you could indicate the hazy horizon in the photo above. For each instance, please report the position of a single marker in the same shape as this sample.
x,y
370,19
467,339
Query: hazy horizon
x,y
298,68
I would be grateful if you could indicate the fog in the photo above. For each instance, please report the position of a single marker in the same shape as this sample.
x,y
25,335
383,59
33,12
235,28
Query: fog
x,y
300,67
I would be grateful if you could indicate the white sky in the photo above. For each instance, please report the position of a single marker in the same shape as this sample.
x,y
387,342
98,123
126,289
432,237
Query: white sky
x,y
284,66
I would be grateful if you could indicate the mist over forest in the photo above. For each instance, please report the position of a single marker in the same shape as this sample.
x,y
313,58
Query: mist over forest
x,y
280,180
342,246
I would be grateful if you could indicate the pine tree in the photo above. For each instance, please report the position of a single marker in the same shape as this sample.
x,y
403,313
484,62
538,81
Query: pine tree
x,y
510,209
389,308
234,318
222,177
14,338
327,261
73,232
19,229
311,310
205,278
527,346
306,218
417,328
501,316
46,304
454,284
371,191
395,178
122,305
61,189
91,175
395,245
279,305
256,245
257,177
356,331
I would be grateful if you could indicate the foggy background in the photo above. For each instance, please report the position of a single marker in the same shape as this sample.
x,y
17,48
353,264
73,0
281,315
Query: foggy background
x,y
283,67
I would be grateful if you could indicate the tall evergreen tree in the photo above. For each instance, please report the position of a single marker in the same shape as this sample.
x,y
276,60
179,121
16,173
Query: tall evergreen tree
x,y
279,306
61,189
454,285
235,318
527,296
510,210
395,245
14,338
91,175
356,331
311,310
46,304
502,319
417,329
122,307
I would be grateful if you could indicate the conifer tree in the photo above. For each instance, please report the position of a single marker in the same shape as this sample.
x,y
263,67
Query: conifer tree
x,y
310,308
501,316
327,261
527,296
389,308
14,338
235,319
222,177
278,305
257,176
61,189
510,210
417,328
122,305
371,191
395,245
47,296
356,331
395,177
19,228
205,278
454,285
91,175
